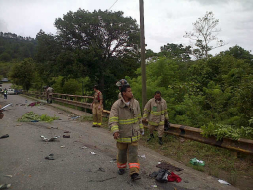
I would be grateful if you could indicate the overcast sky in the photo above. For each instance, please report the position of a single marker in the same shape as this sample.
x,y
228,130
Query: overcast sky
x,y
165,20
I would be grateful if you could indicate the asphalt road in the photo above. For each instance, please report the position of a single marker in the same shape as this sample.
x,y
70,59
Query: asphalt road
x,y
23,156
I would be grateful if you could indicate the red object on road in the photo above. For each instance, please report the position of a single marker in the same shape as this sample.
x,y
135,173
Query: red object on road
x,y
173,177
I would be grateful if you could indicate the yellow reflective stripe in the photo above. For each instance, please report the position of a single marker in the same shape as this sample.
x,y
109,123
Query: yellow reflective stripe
x,y
166,116
139,116
146,110
161,123
128,121
157,113
129,139
99,123
94,123
141,126
114,128
145,115
155,123
113,119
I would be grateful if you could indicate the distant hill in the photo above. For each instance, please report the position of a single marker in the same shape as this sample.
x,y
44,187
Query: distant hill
x,y
14,47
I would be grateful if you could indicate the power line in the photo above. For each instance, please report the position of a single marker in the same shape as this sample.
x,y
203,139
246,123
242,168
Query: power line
x,y
113,4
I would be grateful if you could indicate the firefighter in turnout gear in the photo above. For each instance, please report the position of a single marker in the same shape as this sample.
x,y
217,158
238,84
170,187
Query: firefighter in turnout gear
x,y
156,113
126,125
97,107
120,83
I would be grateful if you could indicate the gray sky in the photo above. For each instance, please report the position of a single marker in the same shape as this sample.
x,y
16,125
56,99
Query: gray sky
x,y
165,20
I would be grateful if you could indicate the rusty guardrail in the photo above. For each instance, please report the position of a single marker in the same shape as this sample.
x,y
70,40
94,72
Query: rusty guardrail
x,y
240,145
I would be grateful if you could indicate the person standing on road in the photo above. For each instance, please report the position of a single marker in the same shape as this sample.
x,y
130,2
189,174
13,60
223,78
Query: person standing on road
x,y
120,83
126,125
49,91
5,93
156,112
97,107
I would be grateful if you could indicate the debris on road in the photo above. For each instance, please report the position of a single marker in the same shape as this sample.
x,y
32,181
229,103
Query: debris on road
x,y
32,117
93,153
113,160
168,166
101,169
10,176
66,136
195,161
83,147
66,132
223,182
49,140
5,186
142,156
34,104
63,146
153,185
50,157
4,136
173,177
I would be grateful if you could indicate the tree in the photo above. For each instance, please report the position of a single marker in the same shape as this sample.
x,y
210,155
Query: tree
x,y
99,44
23,73
176,51
205,31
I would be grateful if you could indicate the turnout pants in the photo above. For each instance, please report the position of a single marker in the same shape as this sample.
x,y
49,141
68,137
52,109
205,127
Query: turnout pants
x,y
128,152
97,114
160,129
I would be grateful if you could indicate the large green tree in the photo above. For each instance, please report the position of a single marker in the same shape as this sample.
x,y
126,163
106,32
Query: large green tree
x,y
23,73
99,44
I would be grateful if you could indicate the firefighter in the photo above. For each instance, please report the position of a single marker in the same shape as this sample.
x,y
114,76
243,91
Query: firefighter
x,y
5,93
126,125
97,107
120,83
49,93
156,112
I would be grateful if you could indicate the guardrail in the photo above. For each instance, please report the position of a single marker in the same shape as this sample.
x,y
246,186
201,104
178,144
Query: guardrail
x,y
241,145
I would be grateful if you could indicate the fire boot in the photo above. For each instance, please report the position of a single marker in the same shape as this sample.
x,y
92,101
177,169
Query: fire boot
x,y
151,136
160,140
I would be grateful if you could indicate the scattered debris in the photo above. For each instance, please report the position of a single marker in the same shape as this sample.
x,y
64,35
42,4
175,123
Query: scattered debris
x,y
168,166
153,185
63,146
75,117
32,117
83,147
18,124
49,140
50,157
66,136
66,132
4,136
162,176
5,186
34,104
142,156
173,177
101,169
41,108
113,160
195,161
93,153
10,176
223,182
59,112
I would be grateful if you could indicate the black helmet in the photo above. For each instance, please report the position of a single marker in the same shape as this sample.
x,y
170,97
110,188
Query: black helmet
x,y
122,82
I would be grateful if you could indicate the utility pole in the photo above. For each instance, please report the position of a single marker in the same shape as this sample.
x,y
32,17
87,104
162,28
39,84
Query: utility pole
x,y
143,64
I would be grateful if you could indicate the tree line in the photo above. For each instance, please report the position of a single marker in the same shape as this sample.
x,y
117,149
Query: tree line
x,y
101,47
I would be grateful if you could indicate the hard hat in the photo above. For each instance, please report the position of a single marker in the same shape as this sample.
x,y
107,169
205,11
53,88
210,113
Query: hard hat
x,y
122,82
